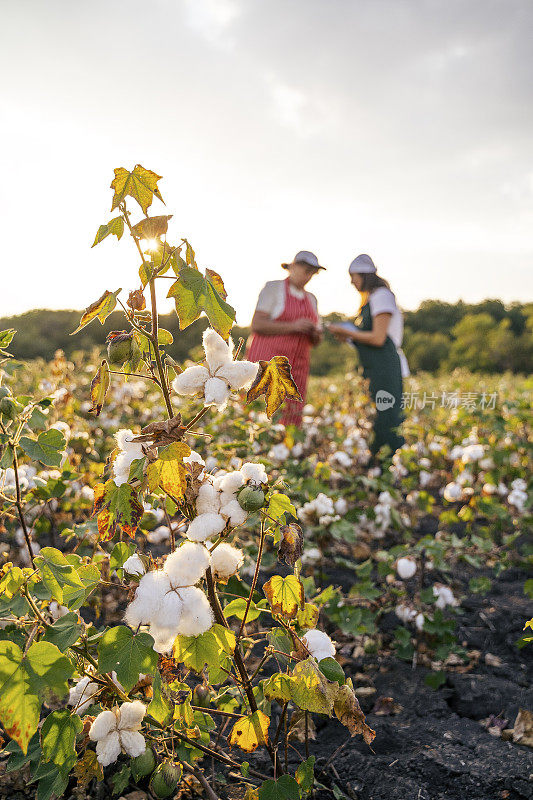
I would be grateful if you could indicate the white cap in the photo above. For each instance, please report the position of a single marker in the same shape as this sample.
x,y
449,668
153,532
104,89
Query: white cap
x,y
305,257
362,264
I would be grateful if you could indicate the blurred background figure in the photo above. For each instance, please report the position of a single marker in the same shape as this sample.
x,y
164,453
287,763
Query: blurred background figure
x,y
378,337
286,323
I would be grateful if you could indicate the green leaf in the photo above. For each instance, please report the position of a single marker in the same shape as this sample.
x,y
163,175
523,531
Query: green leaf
x,y
305,775
237,608
100,309
47,448
195,293
332,670
120,780
279,504
52,781
159,708
285,788
114,226
24,681
56,572
64,632
127,653
58,738
197,651
435,679
73,596
5,340
119,554
140,183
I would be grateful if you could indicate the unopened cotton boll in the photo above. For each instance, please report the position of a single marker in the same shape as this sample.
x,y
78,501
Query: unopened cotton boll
x,y
255,473
205,526
208,500
225,561
187,564
191,381
197,616
134,566
406,567
319,644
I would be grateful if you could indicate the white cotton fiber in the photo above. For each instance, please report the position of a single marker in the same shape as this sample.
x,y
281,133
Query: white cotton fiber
x,y
197,616
216,393
319,644
108,749
208,500
194,458
134,566
255,473
205,526
131,715
133,743
168,613
104,723
234,513
190,381
406,567
238,374
151,589
82,695
226,560
231,482
217,352
162,642
187,564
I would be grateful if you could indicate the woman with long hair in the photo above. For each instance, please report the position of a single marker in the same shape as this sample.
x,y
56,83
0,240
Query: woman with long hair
x,y
378,338
286,323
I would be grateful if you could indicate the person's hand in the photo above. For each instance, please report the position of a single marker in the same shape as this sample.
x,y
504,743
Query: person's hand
x,y
303,326
339,332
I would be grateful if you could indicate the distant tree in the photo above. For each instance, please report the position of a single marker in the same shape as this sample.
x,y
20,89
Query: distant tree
x,y
426,351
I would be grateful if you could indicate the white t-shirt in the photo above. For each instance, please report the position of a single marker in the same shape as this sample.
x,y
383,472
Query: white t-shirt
x,y
271,299
382,301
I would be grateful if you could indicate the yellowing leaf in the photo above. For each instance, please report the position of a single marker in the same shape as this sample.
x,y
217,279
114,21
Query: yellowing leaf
x,y
100,309
250,732
310,689
152,227
114,226
285,595
141,184
208,648
348,711
116,508
87,768
274,380
308,618
169,473
193,294
278,687
99,387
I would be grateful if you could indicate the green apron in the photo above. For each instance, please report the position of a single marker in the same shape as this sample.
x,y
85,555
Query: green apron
x,y
381,365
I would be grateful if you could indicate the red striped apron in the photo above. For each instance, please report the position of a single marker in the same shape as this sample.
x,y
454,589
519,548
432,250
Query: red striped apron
x,y
295,346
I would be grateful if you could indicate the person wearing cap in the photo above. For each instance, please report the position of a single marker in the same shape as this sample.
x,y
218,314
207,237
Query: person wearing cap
x,y
378,338
286,323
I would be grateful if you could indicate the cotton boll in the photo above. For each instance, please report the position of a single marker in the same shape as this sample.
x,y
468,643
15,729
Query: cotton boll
x,y
187,564
191,381
162,642
82,695
133,743
194,458
208,500
255,473
134,566
520,484
341,506
160,534
57,611
231,482
108,749
135,614
238,374
217,352
419,622
406,567
124,438
234,513
197,616
205,526
151,589
452,492
404,613
225,561
279,452
444,595
168,613
319,644
104,723
131,715
216,393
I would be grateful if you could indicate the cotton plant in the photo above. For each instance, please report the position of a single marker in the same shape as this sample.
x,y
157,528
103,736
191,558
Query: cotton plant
x,y
219,377
118,730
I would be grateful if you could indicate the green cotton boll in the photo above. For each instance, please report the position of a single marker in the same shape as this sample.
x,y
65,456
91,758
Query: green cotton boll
x,y
251,499
165,779
119,348
144,764
9,408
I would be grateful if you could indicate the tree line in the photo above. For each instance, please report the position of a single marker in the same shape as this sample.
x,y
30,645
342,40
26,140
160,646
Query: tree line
x,y
482,337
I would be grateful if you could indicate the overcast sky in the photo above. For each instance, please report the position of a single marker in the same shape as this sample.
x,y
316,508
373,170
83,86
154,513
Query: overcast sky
x,y
400,128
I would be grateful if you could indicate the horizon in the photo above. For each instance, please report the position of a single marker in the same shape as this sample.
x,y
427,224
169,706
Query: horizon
x,y
407,135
